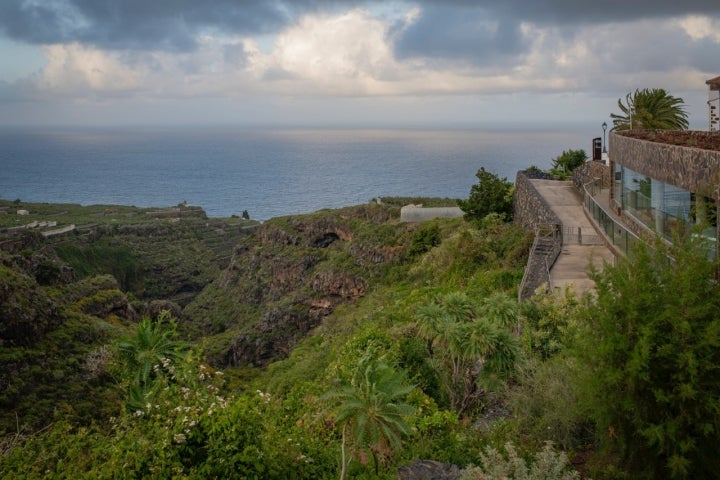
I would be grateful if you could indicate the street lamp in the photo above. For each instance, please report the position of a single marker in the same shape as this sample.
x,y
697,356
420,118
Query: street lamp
x,y
604,126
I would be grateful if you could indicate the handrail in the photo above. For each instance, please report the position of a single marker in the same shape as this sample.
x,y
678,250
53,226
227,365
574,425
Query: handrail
x,y
526,273
547,261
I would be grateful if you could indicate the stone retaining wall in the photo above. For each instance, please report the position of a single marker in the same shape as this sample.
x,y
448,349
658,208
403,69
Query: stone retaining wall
x,y
530,212
588,172
530,209
693,169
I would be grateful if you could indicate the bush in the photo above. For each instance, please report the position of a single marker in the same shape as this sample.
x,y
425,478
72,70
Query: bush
x,y
564,165
490,195
651,350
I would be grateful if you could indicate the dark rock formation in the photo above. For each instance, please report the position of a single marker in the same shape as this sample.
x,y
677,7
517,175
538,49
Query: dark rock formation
x,y
283,281
429,470
26,311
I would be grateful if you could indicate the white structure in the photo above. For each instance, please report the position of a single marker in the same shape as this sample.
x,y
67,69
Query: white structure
x,y
714,104
23,212
416,213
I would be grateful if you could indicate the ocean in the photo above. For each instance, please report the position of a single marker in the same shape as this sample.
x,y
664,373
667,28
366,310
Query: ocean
x,y
267,172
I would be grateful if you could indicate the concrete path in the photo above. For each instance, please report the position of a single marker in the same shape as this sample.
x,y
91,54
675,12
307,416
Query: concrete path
x,y
571,267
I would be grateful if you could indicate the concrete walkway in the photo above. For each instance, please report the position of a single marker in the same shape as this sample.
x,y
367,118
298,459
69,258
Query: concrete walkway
x,y
571,267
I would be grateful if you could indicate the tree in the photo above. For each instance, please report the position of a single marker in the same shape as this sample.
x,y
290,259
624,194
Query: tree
x,y
490,195
470,346
564,165
650,109
371,411
651,350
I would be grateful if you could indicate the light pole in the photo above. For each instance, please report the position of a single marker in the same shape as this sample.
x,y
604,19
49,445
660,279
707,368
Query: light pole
x,y
604,127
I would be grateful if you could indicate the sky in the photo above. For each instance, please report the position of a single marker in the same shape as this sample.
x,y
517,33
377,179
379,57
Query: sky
x,y
325,63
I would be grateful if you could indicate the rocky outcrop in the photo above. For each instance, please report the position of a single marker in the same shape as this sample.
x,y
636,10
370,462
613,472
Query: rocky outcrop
x,y
429,470
291,274
26,311
101,297
339,285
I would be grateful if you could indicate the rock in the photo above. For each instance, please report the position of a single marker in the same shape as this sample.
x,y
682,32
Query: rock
x,y
339,284
26,311
429,470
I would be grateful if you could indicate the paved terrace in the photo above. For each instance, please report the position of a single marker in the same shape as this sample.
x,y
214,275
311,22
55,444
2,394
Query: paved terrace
x,y
582,244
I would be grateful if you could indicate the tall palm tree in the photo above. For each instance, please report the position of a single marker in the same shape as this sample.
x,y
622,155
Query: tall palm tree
x,y
371,411
650,109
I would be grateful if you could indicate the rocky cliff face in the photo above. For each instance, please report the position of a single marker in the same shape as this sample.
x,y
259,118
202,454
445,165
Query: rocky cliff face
x,y
291,274
27,312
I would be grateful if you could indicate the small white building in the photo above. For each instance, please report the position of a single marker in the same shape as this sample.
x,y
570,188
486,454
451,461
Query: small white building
x,y
714,104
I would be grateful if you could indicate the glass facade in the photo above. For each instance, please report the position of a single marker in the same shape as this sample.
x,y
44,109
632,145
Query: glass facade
x,y
662,207
665,208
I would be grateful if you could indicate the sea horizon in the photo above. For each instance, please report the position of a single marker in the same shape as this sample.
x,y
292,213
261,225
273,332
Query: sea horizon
x,y
266,170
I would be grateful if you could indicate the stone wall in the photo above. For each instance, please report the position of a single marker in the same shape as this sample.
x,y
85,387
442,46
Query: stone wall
x,y
693,169
530,208
531,211
588,172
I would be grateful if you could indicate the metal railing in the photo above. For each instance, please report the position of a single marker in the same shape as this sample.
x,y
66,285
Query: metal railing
x,y
615,233
541,260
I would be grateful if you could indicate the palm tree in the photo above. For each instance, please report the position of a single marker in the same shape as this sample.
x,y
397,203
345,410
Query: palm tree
x,y
469,345
370,410
650,109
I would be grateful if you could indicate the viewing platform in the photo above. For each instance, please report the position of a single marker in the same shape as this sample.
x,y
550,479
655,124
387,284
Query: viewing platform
x,y
582,245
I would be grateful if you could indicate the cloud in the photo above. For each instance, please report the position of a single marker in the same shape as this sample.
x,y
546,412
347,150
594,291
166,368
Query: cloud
x,y
172,25
421,48
175,25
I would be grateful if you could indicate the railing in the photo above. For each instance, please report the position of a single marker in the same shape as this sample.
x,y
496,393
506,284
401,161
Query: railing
x,y
541,259
526,273
615,233
577,236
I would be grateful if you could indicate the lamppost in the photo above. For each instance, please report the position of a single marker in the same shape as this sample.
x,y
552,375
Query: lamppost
x,y
604,127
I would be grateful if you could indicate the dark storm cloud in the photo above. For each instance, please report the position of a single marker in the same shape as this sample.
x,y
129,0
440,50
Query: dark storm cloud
x,y
460,33
135,24
575,12
488,32
446,28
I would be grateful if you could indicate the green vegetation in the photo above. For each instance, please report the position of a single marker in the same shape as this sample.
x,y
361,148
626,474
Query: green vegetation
x,y
564,164
470,347
650,109
490,195
651,343
346,344
370,413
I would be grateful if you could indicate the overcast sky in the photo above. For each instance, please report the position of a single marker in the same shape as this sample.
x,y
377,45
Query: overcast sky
x,y
425,63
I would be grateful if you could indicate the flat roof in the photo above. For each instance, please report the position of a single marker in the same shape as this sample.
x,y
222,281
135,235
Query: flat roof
x,y
714,83
683,138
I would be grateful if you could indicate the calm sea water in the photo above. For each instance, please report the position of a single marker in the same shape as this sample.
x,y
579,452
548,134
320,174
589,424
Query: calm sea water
x,y
267,172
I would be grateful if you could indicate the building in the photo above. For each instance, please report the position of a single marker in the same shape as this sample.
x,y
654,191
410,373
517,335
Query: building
x,y
714,104
666,182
